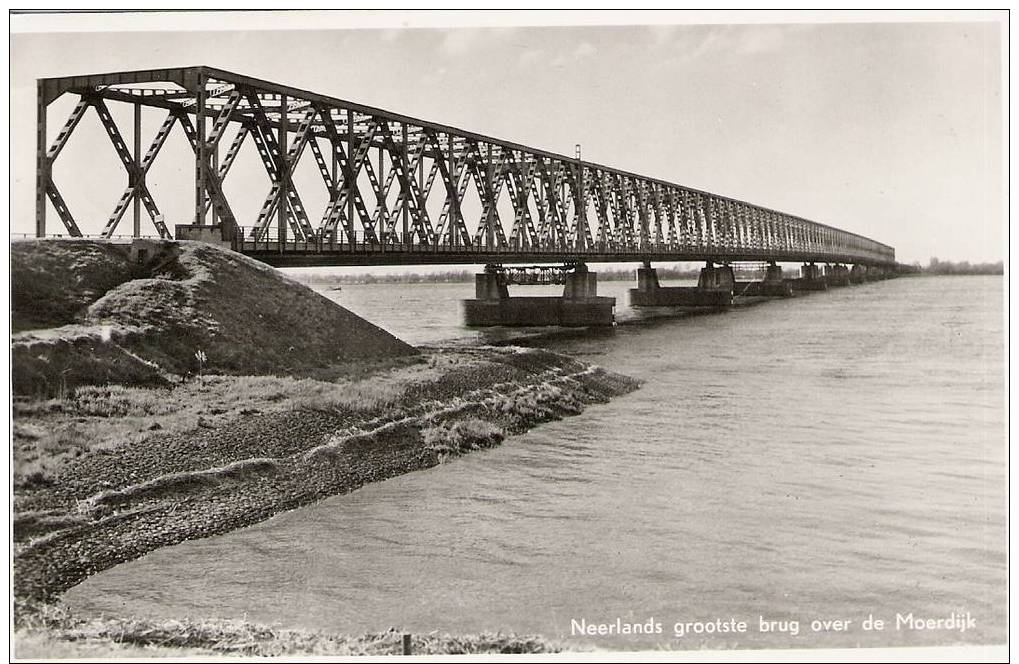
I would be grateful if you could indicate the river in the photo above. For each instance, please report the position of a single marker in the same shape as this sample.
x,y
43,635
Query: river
x,y
836,456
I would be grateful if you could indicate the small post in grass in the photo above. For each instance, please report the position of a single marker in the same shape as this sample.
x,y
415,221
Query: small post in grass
x,y
406,644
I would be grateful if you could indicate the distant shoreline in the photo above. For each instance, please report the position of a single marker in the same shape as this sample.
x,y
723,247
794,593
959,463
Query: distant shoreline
x,y
664,274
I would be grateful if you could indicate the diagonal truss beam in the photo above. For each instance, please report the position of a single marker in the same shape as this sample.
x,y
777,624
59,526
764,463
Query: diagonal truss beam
x,y
410,190
136,186
278,167
348,194
213,184
135,171
284,174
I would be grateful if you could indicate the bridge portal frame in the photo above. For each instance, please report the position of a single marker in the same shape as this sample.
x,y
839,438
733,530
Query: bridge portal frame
x,y
553,196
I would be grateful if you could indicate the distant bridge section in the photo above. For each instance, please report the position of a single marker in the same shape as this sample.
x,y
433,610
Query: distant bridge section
x,y
406,191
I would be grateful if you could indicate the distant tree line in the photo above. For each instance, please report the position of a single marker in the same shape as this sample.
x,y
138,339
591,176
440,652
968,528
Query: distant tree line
x,y
965,267
450,277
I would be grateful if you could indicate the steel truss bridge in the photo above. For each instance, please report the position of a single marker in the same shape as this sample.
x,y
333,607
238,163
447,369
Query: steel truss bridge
x,y
398,187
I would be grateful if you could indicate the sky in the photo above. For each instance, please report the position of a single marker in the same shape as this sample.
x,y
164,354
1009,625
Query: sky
x,y
890,130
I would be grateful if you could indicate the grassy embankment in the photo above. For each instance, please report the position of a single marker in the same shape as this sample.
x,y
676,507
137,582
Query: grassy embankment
x,y
126,438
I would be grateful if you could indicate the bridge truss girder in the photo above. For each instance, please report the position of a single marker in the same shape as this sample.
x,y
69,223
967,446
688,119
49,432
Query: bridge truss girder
x,y
560,205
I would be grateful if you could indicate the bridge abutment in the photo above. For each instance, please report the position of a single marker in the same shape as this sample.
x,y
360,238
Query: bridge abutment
x,y
579,306
211,234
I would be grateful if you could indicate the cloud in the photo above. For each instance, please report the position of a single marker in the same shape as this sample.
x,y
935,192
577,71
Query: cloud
x,y
762,38
660,34
458,42
739,40
530,56
463,40
584,50
434,76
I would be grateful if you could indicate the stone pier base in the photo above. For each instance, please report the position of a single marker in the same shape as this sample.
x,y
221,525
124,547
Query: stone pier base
x,y
810,279
714,289
772,286
579,306
837,275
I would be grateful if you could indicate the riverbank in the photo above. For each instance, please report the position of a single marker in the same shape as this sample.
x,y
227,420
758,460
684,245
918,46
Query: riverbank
x,y
119,472
184,391
112,498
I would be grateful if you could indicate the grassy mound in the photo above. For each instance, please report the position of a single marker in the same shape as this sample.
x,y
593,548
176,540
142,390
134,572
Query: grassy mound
x,y
84,313
52,282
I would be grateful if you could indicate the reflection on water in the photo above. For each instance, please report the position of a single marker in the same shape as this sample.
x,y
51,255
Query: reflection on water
x,y
835,456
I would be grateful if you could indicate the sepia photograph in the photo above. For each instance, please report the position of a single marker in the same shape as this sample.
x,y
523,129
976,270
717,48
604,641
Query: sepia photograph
x,y
625,335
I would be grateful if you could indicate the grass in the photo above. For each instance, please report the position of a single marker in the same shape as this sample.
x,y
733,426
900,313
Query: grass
x,y
53,282
48,433
462,436
51,631
356,397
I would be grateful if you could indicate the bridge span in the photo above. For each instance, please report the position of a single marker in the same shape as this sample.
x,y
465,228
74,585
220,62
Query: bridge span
x,y
404,191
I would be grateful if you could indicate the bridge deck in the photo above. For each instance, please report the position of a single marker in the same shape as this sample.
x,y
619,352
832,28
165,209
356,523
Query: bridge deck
x,y
308,254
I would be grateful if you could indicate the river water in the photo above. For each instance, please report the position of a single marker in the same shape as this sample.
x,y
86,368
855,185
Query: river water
x,y
836,456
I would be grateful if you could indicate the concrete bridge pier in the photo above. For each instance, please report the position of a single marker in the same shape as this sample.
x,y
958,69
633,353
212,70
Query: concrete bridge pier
x,y
490,285
774,285
837,274
581,284
714,289
716,278
810,279
579,306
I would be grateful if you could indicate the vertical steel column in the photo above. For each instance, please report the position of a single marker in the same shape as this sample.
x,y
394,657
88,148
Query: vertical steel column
x,y
284,174
351,186
489,230
581,206
541,204
213,213
42,162
136,176
201,155
406,195
336,163
380,201
561,203
421,188
451,187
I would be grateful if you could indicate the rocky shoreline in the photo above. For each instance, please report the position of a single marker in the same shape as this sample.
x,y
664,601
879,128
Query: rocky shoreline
x,y
113,505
